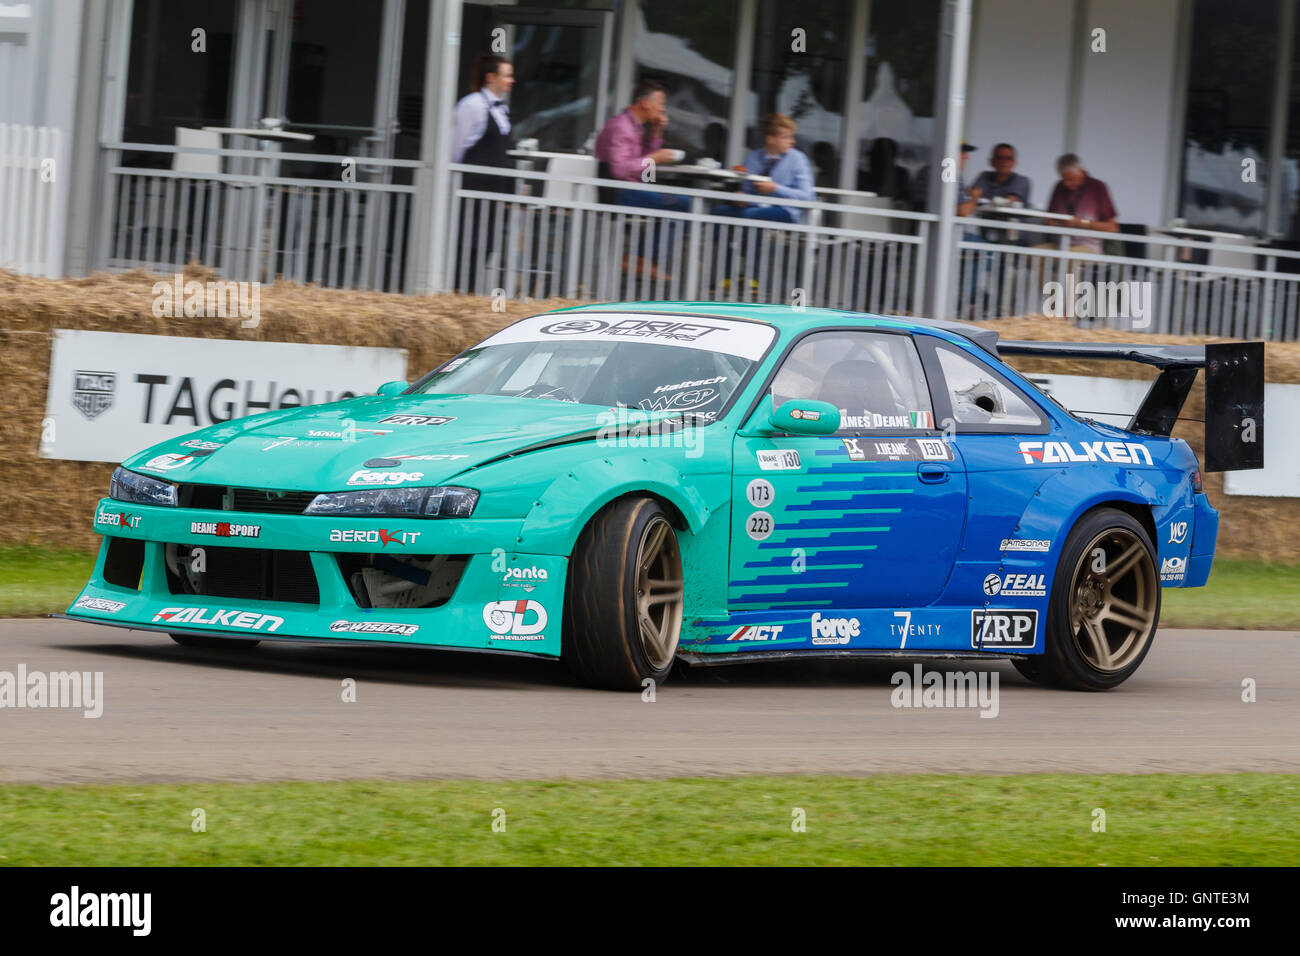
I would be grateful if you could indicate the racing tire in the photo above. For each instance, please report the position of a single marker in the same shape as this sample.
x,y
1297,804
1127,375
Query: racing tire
x,y
1104,607
623,598
214,643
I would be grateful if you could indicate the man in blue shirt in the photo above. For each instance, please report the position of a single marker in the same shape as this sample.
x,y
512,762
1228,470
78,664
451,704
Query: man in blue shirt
x,y
789,169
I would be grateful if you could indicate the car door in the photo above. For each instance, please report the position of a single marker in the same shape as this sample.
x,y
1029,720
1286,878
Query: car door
x,y
869,517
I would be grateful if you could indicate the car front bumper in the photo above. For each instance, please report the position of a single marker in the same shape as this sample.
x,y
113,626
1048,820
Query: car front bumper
x,y
502,601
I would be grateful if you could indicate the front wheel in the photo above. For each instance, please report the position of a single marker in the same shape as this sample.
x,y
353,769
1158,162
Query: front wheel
x,y
624,598
1104,607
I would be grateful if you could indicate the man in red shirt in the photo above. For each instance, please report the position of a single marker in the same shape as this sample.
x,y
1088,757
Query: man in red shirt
x,y
1086,200
631,143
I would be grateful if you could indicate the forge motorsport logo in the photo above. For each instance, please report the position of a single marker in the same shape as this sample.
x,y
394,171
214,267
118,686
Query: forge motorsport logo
x,y
92,392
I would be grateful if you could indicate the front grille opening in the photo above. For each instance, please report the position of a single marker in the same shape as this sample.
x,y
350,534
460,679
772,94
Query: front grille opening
x,y
255,500
124,562
416,580
254,574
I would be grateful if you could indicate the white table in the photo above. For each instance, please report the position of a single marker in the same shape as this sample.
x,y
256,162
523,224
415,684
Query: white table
x,y
709,172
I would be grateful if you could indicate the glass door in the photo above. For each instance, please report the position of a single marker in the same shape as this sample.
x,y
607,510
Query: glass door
x,y
561,60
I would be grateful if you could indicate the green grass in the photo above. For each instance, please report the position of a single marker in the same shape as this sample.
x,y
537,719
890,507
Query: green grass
x,y
37,581
1044,820
1241,594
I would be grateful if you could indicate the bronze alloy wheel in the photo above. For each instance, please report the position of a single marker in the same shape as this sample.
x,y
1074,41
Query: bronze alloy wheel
x,y
1113,600
659,592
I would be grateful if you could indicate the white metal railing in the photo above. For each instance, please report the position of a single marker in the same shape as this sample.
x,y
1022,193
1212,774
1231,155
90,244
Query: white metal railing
x,y
569,240
252,224
31,183
1138,282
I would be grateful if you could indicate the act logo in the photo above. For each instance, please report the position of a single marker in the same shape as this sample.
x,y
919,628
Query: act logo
x,y
1178,532
510,620
757,632
833,630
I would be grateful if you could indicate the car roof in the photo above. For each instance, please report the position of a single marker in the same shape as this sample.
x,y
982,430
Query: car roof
x,y
795,320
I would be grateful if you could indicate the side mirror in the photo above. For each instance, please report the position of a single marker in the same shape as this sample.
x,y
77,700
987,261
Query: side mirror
x,y
805,417
389,389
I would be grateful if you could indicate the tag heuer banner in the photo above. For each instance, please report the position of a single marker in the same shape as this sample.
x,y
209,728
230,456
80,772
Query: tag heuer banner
x,y
112,394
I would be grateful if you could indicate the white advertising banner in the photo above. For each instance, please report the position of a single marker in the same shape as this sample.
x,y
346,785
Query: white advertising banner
x,y
112,394
1116,399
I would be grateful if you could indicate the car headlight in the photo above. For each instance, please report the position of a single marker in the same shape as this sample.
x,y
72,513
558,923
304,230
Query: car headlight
x,y
140,489
442,502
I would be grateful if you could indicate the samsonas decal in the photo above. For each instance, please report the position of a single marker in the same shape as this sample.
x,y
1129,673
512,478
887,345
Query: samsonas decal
x,y
1063,452
515,620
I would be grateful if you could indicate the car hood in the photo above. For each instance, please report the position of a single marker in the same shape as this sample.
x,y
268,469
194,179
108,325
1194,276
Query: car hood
x,y
322,447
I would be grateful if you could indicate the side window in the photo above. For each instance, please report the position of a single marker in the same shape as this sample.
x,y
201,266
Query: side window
x,y
980,397
875,379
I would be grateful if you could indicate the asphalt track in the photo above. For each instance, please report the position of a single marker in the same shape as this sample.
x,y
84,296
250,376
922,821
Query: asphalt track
x,y
276,713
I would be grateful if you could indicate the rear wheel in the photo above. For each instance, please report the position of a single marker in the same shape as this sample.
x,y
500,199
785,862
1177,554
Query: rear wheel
x,y
1104,607
623,602
226,643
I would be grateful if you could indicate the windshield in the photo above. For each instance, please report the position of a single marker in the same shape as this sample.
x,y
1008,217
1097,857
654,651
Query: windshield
x,y
654,363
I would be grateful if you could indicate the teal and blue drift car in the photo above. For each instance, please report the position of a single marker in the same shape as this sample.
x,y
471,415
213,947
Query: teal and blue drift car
x,y
624,486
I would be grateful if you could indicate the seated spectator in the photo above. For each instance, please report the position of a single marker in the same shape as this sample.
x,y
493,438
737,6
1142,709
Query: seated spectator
x,y
623,147
884,176
1085,199
791,172
1002,182
826,163
967,196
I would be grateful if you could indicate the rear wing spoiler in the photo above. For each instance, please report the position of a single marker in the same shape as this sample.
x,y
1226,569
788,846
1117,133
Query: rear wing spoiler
x,y
1234,391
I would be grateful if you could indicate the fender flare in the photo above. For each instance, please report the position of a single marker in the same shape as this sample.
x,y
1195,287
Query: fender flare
x,y
554,523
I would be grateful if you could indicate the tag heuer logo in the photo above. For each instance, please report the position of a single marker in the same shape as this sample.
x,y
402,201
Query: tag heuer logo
x,y
92,393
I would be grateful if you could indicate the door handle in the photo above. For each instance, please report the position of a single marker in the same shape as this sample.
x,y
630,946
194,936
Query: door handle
x,y
931,473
